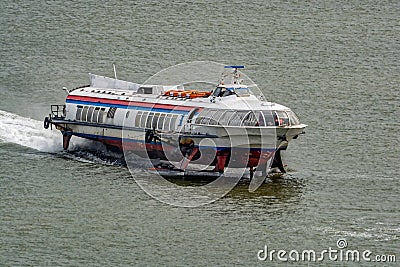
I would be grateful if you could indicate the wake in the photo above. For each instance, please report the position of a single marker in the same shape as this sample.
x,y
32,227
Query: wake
x,y
30,133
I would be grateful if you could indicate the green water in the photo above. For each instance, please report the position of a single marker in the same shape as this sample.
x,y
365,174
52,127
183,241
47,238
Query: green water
x,y
335,63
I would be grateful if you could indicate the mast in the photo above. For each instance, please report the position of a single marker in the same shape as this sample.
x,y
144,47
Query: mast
x,y
235,73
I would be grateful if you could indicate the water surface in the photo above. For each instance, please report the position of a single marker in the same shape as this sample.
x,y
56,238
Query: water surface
x,y
335,63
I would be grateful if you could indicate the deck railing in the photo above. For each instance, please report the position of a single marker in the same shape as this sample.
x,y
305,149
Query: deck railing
x,y
58,111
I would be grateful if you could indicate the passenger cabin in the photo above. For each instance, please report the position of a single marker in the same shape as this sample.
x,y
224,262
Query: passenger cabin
x,y
228,117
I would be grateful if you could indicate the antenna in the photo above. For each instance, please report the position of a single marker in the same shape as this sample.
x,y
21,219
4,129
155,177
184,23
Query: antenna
x,y
115,71
66,89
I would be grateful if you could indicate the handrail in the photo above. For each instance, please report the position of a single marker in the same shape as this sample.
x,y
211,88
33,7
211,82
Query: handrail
x,y
58,111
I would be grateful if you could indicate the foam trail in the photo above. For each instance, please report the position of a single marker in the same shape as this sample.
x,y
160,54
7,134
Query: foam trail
x,y
28,132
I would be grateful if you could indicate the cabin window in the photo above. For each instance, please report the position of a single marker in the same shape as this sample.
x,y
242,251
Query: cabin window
x,y
161,121
101,115
145,90
78,113
167,122
204,116
250,120
95,114
269,117
259,118
208,116
199,118
191,114
209,119
237,118
127,114
143,119
137,118
216,116
84,113
173,122
294,120
111,112
149,120
282,118
89,114
224,120
155,120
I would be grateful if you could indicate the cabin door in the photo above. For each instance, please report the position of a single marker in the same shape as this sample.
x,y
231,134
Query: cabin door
x,y
188,124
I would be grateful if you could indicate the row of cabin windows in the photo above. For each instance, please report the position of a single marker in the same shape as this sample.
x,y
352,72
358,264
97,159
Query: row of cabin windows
x,y
247,118
228,117
90,114
143,119
167,121
156,120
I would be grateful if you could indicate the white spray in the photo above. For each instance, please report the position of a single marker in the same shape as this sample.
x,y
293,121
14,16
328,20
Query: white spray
x,y
30,133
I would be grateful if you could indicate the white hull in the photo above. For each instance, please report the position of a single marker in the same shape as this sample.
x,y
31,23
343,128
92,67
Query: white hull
x,y
157,124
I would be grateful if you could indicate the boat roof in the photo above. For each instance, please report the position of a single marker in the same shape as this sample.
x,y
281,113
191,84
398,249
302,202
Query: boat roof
x,y
228,102
110,88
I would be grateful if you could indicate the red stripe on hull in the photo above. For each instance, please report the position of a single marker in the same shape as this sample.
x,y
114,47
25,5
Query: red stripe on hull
x,y
157,151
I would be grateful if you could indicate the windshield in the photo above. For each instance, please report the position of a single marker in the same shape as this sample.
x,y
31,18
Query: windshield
x,y
242,91
222,91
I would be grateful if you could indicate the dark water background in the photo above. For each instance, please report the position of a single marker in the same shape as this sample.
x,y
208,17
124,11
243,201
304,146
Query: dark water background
x,y
335,63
